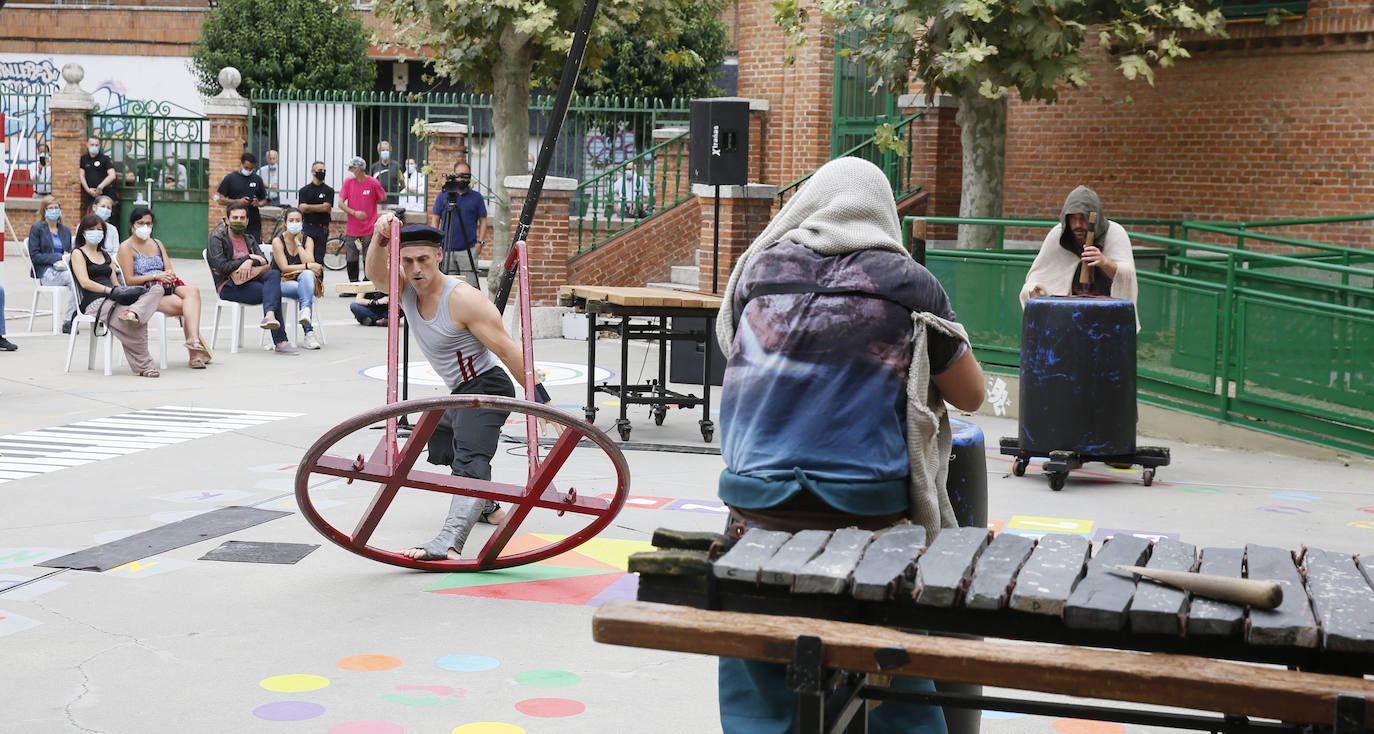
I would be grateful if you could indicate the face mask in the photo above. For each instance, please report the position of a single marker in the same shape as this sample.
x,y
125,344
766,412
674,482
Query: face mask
x,y
94,236
320,174
410,169
143,231
171,162
385,155
294,227
103,212
238,227
53,214
246,171
93,150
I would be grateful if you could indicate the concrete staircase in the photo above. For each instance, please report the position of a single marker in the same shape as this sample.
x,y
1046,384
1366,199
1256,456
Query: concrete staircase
x,y
681,278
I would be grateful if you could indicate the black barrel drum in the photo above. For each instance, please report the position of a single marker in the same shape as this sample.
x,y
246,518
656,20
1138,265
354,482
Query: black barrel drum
x,y
1078,376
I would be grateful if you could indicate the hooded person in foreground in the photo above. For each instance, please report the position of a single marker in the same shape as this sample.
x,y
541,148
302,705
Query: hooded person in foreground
x,y
1065,251
841,352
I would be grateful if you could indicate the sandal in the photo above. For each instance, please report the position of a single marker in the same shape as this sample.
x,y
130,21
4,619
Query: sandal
x,y
196,362
198,349
150,373
130,318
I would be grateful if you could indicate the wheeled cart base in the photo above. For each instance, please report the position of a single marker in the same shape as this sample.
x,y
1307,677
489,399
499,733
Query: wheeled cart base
x,y
1062,462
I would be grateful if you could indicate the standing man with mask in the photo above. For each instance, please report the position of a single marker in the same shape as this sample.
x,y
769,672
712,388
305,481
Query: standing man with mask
x,y
175,171
466,232
98,177
414,188
246,187
385,170
316,204
271,179
358,198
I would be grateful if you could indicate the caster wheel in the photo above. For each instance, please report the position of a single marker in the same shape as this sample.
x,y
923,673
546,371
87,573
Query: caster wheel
x,y
1057,481
707,434
660,413
1148,476
1018,467
624,432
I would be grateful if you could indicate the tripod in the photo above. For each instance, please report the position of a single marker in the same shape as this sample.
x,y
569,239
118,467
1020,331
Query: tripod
x,y
452,210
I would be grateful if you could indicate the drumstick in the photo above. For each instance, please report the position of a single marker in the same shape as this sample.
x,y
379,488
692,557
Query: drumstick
x,y
1256,593
1085,273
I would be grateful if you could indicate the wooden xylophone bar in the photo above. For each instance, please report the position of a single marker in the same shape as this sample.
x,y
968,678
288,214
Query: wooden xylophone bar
x,y
1051,589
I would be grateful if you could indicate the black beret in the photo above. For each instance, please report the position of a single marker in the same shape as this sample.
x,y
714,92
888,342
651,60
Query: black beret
x,y
421,234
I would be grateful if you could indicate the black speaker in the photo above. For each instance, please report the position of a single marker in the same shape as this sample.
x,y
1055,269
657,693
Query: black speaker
x,y
687,356
719,142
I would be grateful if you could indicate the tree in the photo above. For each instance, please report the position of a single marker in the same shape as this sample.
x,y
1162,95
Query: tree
x,y
682,62
284,44
502,46
979,51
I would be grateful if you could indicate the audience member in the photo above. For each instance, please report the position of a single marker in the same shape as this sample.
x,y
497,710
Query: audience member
x,y
144,261
271,179
316,205
97,175
370,309
5,344
93,269
302,278
358,198
385,169
245,186
103,207
466,226
631,194
243,274
174,171
42,174
414,188
49,238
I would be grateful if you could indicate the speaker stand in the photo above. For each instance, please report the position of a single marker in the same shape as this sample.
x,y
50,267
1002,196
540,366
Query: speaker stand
x,y
715,245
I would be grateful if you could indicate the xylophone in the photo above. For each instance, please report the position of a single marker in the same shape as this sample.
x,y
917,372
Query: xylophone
x,y
1051,589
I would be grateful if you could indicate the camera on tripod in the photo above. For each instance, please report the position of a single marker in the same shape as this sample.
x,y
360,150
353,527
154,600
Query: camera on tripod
x,y
454,183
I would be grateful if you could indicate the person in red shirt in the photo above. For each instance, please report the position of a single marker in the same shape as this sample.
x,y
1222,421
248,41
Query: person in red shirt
x,y
358,198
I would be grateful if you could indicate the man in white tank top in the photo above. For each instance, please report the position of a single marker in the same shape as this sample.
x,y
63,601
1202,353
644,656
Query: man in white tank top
x,y
461,334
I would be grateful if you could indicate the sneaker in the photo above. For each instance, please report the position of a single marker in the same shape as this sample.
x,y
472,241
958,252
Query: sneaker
x,y
286,348
270,323
310,342
367,321
305,317
67,326
6,345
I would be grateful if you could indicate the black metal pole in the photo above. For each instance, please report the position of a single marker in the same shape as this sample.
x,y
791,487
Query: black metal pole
x,y
715,245
555,124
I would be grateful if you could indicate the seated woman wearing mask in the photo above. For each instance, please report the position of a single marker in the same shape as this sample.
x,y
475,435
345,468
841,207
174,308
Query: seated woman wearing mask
x,y
144,261
93,271
301,277
103,207
48,239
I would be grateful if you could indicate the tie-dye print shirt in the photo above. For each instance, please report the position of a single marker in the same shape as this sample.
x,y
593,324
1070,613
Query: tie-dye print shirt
x,y
815,388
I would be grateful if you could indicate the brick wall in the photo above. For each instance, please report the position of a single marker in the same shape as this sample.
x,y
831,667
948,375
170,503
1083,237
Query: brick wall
x,y
796,138
104,30
228,136
741,220
643,254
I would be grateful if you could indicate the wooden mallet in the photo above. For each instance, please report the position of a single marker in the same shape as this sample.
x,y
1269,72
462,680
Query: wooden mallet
x,y
1085,275
1258,594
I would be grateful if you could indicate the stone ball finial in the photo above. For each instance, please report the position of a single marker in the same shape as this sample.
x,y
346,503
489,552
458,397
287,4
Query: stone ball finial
x,y
73,73
229,80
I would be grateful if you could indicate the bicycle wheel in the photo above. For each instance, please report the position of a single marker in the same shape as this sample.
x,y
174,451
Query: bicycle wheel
x,y
335,258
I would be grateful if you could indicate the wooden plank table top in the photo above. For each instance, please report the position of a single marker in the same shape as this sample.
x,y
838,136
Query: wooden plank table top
x,y
651,297
362,286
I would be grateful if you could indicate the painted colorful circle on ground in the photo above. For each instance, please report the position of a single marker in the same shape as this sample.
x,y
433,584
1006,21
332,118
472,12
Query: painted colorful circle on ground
x,y
367,727
294,683
547,678
369,663
467,663
288,711
549,708
555,373
488,727
1085,726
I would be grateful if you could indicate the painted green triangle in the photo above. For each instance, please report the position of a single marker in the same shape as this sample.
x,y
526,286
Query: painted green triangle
x,y
531,572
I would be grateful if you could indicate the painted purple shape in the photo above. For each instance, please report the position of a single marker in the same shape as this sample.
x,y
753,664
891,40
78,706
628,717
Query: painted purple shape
x,y
710,506
1104,533
626,588
288,711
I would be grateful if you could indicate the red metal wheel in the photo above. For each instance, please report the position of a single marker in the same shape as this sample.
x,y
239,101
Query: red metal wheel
x,y
391,466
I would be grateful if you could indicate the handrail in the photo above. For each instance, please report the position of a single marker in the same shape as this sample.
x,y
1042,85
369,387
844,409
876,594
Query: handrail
x,y
871,140
1306,220
589,192
1241,235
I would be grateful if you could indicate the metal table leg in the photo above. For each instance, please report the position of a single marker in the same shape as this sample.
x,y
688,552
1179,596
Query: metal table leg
x,y
708,429
589,410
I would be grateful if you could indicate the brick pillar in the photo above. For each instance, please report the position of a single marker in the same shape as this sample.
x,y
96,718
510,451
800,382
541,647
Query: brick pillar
x,y
551,239
744,212
446,143
228,112
758,140
70,111
672,167
937,157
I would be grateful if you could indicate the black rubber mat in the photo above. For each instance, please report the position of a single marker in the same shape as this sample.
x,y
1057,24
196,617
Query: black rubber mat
x,y
205,526
242,551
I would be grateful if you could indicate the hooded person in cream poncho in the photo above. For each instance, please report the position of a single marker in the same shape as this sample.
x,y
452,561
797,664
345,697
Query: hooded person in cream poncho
x,y
841,352
1055,271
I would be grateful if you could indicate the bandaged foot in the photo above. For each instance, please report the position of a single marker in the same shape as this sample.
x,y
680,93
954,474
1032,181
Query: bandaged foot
x,y
462,515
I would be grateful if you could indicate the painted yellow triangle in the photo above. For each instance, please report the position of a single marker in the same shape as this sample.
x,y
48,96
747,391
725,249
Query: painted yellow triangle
x,y
615,553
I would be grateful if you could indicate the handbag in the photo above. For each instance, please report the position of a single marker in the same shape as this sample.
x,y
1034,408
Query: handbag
x,y
125,295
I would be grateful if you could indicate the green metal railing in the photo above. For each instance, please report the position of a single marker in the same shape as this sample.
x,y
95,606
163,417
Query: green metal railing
x,y
27,127
628,194
598,134
1238,346
896,166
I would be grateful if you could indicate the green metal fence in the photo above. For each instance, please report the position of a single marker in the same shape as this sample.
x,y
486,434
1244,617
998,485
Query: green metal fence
x,y
599,134
627,194
161,152
26,133
1239,348
896,164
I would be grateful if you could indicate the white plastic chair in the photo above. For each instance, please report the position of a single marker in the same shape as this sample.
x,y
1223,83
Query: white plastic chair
x,y
159,318
112,355
236,312
58,293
